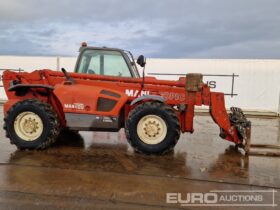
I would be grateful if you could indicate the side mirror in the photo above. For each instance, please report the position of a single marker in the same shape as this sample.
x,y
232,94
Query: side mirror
x,y
141,61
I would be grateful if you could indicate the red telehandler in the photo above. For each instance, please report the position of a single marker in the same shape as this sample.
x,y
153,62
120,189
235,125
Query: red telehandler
x,y
106,93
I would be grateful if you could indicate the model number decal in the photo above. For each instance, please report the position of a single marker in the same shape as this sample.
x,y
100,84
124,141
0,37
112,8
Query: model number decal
x,y
74,106
173,96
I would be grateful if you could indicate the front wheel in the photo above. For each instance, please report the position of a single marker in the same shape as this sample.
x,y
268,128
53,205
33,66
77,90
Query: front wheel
x,y
31,124
152,128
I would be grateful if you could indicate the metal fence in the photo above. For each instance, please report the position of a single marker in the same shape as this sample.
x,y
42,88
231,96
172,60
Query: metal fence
x,y
233,76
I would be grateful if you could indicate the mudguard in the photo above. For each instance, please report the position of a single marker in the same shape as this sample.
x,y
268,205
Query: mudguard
x,y
147,97
28,86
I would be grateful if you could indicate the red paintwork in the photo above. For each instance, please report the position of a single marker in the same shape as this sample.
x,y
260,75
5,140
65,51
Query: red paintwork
x,y
86,89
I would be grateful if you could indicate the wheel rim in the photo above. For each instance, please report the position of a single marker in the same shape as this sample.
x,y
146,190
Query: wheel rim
x,y
151,129
28,126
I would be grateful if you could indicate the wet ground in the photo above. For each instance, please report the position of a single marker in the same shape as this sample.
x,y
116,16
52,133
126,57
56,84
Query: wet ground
x,y
100,170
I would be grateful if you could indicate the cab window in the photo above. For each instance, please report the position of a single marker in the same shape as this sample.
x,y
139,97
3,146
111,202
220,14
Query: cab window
x,y
103,62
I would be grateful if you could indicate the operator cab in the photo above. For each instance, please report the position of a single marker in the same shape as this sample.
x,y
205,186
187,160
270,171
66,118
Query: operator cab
x,y
106,61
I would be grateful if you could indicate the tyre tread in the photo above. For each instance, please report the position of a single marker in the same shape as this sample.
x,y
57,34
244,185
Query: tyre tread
x,y
157,105
51,114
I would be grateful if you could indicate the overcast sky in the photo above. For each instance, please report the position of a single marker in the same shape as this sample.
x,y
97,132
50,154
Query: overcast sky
x,y
156,28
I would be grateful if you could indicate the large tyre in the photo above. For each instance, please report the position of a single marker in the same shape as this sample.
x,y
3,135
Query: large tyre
x,y
31,124
152,128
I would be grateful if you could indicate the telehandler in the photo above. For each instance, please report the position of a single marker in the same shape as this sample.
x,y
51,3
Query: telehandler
x,y
107,93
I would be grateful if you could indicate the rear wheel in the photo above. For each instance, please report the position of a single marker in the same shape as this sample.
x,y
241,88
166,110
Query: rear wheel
x,y
152,128
31,124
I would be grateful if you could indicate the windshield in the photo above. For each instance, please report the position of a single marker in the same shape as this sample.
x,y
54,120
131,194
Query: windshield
x,y
103,62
